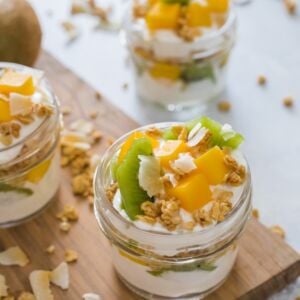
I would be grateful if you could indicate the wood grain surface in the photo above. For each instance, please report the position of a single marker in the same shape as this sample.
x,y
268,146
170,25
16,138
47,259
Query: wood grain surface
x,y
265,263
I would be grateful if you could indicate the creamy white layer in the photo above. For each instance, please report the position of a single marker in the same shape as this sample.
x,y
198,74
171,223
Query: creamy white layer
x,y
15,206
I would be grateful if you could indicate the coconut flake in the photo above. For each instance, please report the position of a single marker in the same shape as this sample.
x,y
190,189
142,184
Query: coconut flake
x,y
227,132
60,276
197,137
194,130
40,284
13,256
3,286
184,164
82,126
149,175
19,104
91,296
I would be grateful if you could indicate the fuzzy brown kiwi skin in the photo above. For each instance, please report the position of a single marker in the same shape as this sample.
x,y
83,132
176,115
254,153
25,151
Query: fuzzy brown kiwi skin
x,y
20,32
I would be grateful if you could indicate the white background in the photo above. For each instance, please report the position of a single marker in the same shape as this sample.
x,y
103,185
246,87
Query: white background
x,y
268,43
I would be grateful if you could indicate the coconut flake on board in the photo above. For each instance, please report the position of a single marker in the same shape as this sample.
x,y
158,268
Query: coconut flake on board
x,y
13,256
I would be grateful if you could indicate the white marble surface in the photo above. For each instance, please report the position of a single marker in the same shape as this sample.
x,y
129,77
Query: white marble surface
x,y
268,43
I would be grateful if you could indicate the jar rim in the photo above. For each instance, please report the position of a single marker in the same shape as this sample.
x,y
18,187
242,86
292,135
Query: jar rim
x,y
207,38
45,122
106,205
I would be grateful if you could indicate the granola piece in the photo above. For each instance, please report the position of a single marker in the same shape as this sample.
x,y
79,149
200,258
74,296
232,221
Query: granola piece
x,y
188,225
291,6
180,131
170,217
93,114
98,95
288,101
222,195
80,164
26,296
278,230
224,106
188,33
65,226
261,80
15,130
81,184
111,191
69,213
43,110
150,209
97,136
237,173
50,249
66,110
233,178
154,132
202,217
230,162
71,256
6,140
146,219
255,213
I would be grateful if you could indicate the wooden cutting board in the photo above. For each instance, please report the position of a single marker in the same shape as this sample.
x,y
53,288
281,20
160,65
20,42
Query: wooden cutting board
x,y
265,263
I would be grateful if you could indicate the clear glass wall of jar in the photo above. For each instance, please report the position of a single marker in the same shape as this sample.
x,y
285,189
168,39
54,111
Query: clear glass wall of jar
x,y
195,72
158,265
30,166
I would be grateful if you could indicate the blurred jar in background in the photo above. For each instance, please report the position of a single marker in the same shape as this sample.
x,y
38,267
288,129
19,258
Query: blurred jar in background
x,y
180,50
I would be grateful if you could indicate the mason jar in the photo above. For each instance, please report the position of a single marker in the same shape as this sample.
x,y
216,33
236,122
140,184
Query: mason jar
x,y
160,265
30,165
175,74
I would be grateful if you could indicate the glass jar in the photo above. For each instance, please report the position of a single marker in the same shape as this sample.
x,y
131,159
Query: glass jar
x,y
159,265
30,166
175,74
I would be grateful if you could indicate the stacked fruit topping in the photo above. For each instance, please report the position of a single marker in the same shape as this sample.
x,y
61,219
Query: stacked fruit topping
x,y
188,168
17,106
185,17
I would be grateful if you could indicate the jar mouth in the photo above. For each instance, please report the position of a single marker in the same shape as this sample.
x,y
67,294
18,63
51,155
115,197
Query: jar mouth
x,y
103,206
54,102
209,43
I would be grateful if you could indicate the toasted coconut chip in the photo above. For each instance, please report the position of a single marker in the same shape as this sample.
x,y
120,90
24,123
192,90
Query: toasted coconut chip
x,y
197,136
82,126
40,284
60,276
13,256
91,296
19,104
184,164
3,286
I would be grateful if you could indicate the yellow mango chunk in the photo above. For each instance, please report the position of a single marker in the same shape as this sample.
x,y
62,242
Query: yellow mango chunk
x,y
5,115
38,172
13,82
127,144
219,6
193,192
166,71
163,16
170,151
198,14
152,2
212,165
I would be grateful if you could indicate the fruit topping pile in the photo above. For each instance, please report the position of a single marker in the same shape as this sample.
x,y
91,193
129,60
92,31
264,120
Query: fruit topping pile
x,y
186,169
17,106
185,17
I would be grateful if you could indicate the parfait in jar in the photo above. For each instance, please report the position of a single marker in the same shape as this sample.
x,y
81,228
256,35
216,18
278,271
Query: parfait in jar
x,y
180,50
29,135
173,198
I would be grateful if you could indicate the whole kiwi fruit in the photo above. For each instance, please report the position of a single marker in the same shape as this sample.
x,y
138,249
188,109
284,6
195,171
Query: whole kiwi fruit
x,y
20,32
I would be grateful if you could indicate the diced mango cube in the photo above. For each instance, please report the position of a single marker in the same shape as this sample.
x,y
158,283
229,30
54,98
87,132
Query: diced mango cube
x,y
5,114
127,144
212,165
163,16
219,6
193,192
198,14
13,82
170,151
152,2
38,172
167,71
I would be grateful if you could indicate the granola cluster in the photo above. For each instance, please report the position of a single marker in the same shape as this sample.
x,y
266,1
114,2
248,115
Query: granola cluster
x,y
237,173
12,129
